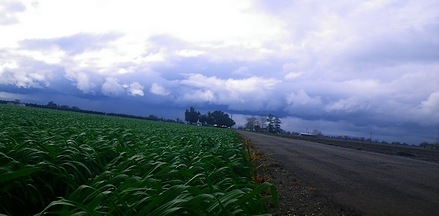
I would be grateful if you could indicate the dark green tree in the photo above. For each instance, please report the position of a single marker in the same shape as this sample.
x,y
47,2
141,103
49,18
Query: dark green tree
x,y
221,119
274,124
262,122
270,120
191,115
152,117
258,128
205,119
52,105
209,119
277,125
252,122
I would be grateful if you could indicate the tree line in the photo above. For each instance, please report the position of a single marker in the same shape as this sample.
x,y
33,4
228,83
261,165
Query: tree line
x,y
216,118
270,124
427,145
53,105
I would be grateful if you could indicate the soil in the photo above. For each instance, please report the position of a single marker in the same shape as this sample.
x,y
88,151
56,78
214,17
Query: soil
x,y
295,197
389,149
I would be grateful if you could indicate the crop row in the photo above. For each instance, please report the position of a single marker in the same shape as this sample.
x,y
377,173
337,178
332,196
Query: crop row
x,y
64,163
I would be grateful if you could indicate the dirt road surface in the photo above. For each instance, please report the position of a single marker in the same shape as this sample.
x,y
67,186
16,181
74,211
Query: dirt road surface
x,y
374,184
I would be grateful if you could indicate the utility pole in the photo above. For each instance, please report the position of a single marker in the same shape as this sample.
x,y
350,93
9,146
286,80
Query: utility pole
x,y
370,138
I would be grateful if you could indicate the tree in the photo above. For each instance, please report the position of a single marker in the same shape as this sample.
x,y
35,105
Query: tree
x,y
270,120
191,115
218,118
318,133
251,123
75,108
258,128
209,119
203,119
152,117
52,105
277,125
261,122
206,119
221,119
274,124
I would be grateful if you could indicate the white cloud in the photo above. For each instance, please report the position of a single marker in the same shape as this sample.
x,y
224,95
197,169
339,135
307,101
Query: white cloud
x,y
293,75
202,25
427,112
9,10
306,58
242,71
82,81
24,73
249,94
9,64
190,53
158,89
301,98
349,105
251,84
112,87
199,96
431,105
51,56
135,89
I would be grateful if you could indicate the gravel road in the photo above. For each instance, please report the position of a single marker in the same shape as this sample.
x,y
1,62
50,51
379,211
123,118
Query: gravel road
x,y
374,184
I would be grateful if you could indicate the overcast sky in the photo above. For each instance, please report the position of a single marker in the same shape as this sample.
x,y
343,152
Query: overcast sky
x,y
341,67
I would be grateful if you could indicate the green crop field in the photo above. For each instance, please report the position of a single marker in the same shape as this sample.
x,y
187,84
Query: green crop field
x,y
64,163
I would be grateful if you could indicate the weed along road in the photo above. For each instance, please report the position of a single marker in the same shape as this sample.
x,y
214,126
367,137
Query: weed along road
x,y
374,184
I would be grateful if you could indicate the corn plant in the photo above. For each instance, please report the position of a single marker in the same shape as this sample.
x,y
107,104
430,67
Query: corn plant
x,y
65,163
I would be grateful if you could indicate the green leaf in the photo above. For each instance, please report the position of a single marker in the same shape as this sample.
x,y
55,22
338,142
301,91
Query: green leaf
x,y
14,175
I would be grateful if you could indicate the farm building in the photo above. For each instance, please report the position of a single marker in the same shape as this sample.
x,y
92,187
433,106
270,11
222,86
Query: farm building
x,y
307,134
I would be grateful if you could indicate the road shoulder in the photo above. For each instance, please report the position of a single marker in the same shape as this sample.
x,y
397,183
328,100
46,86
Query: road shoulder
x,y
296,196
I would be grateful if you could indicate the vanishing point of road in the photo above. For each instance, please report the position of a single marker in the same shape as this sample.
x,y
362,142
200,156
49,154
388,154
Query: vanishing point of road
x,y
372,183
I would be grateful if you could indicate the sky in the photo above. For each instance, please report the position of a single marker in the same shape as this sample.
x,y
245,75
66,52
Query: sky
x,y
352,68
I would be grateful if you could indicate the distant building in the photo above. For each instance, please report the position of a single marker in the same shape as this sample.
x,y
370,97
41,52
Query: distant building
x,y
306,134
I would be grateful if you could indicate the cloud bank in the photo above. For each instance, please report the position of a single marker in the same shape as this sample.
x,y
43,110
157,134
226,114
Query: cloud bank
x,y
340,67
